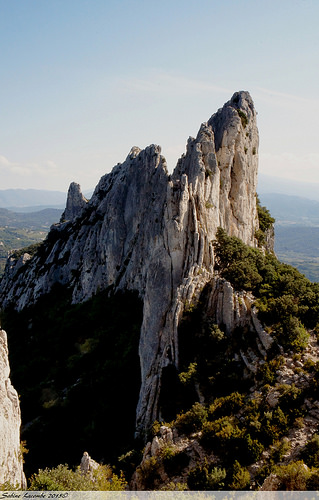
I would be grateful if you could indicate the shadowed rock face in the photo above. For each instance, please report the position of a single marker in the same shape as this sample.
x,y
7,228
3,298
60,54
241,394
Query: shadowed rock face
x,y
11,469
147,231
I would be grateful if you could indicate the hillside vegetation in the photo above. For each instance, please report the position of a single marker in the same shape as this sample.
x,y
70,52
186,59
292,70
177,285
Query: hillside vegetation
x,y
244,424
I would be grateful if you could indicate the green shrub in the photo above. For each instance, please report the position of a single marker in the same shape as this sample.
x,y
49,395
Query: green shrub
x,y
192,420
226,405
237,262
279,449
219,433
310,452
253,450
155,428
206,477
171,486
243,117
267,372
240,479
62,478
292,334
167,453
309,365
313,481
188,376
294,476
291,400
264,217
260,237
148,471
8,486
31,250
215,333
209,205
274,425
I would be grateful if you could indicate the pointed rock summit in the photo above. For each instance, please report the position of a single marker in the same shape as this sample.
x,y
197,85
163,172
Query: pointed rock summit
x,y
75,202
152,232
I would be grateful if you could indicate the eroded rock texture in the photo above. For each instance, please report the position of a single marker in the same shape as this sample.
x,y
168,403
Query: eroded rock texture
x,y
11,468
148,231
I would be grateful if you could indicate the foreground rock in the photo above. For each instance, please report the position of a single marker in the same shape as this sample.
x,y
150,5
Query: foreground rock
x,y
11,463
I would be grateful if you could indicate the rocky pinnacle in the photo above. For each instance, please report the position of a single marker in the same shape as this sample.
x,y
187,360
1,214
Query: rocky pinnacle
x,y
149,231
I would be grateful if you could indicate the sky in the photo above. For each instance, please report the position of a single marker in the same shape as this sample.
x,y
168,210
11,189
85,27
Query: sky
x,y
82,81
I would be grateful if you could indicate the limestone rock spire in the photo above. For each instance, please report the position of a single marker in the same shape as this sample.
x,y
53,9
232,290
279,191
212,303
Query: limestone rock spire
x,y
75,202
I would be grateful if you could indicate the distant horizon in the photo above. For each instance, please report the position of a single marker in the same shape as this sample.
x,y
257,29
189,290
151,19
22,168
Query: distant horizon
x,y
84,82
266,185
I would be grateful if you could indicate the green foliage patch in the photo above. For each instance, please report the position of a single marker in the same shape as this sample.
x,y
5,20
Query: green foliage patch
x,y
206,477
243,118
62,478
287,300
264,217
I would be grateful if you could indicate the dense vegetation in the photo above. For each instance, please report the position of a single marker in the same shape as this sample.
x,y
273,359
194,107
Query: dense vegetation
x,y
266,222
76,368
287,301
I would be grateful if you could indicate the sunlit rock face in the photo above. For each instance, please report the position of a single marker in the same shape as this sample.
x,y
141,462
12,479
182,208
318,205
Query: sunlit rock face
x,y
11,468
149,231
75,202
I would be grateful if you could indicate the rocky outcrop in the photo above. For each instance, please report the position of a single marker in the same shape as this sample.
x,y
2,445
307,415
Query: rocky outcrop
x,y
153,472
75,202
148,231
88,465
11,468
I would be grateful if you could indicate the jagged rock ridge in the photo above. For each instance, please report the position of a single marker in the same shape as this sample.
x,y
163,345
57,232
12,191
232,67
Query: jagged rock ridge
x,y
148,231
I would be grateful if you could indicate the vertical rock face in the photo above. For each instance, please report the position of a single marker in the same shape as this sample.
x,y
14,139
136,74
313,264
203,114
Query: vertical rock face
x,y
75,202
11,469
147,231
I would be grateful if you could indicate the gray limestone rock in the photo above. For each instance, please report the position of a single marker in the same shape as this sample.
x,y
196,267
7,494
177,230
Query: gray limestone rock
x,y
88,465
75,202
147,231
11,465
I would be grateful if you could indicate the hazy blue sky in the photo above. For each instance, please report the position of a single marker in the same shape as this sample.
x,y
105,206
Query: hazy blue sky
x,y
82,81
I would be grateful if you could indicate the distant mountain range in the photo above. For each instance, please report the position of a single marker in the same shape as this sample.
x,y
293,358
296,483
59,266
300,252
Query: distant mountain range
x,y
31,199
277,185
289,210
